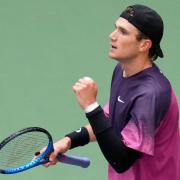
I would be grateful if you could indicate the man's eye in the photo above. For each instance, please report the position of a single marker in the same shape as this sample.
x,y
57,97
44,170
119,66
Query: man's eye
x,y
123,32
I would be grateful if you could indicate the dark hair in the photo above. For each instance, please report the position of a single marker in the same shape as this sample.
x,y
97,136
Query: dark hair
x,y
152,51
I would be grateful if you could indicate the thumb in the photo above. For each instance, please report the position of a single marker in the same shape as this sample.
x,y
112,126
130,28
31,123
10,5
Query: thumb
x,y
52,157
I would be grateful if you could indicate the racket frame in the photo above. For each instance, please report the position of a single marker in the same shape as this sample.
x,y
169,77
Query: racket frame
x,y
83,162
38,161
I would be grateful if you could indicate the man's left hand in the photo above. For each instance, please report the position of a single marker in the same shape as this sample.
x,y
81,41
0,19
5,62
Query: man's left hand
x,y
86,91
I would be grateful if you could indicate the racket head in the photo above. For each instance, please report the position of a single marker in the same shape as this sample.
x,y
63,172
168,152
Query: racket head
x,y
18,150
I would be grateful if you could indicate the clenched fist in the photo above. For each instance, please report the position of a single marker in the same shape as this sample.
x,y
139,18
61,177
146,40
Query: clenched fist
x,y
86,91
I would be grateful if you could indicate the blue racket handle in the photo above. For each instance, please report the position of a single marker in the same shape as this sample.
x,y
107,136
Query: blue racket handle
x,y
83,162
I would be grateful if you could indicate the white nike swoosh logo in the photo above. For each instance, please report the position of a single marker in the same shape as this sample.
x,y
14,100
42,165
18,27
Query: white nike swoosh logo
x,y
78,130
119,99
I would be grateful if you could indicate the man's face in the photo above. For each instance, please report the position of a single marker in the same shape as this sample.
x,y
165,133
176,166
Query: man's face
x,y
124,44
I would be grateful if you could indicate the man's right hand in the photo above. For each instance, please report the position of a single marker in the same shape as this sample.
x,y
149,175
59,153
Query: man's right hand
x,y
60,147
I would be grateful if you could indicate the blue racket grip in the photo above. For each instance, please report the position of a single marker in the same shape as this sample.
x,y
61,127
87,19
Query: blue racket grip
x,y
83,162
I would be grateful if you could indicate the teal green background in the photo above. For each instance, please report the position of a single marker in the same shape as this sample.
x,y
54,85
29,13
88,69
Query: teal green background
x,y
45,46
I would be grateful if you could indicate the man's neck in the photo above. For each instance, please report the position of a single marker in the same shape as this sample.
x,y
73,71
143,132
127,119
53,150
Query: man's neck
x,y
135,66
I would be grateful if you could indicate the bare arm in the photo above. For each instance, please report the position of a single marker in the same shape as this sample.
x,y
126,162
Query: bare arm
x,y
91,133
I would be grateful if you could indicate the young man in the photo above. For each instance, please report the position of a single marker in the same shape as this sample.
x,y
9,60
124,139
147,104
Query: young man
x,y
138,130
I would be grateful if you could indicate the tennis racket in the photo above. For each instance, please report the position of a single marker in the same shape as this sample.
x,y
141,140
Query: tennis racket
x,y
17,151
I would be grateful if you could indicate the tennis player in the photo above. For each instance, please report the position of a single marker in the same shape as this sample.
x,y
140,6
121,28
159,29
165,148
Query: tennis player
x,y
137,131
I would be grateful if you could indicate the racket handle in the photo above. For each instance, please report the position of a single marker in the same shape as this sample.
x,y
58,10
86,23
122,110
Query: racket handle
x,y
83,162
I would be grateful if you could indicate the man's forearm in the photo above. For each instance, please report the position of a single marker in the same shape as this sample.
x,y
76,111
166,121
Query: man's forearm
x,y
111,144
92,137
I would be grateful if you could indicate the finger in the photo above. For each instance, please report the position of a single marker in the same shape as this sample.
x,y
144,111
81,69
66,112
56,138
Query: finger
x,y
52,160
85,81
87,78
82,81
52,157
78,84
76,89
52,163
46,165
38,153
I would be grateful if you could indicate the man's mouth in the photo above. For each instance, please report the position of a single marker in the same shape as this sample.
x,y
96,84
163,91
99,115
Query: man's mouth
x,y
113,47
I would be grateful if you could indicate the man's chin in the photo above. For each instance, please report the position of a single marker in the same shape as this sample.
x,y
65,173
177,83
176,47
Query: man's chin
x,y
113,57
117,58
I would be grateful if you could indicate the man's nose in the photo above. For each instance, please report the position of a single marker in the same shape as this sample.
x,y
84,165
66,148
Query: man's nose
x,y
112,36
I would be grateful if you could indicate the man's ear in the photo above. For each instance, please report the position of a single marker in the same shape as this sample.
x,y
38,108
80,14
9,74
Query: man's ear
x,y
145,45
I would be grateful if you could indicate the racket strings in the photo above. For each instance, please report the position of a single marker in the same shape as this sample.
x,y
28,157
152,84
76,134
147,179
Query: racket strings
x,y
20,150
